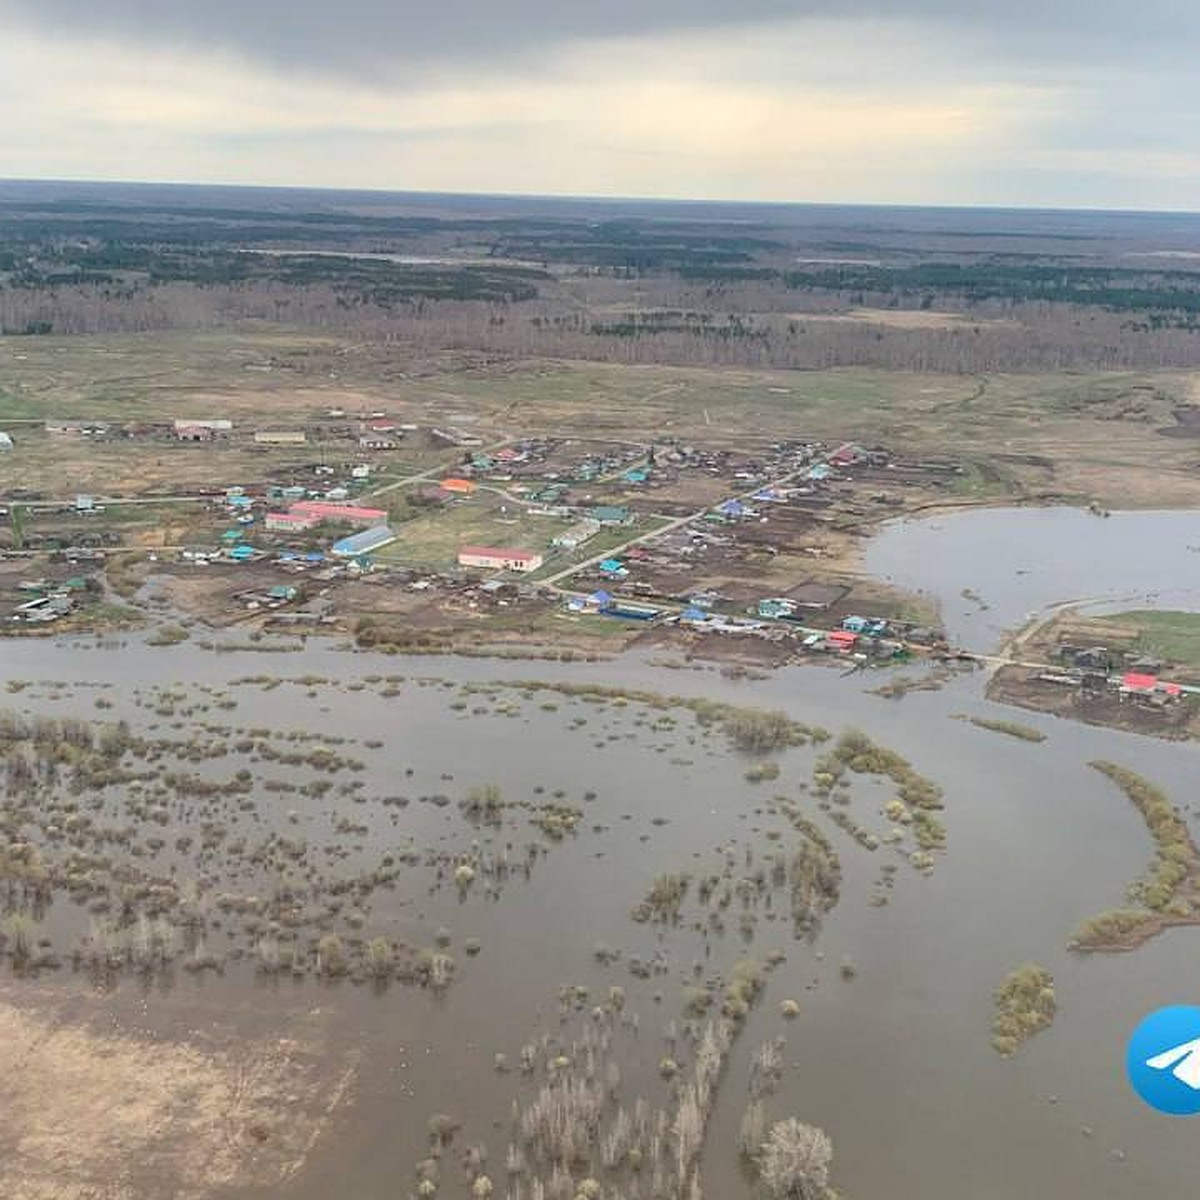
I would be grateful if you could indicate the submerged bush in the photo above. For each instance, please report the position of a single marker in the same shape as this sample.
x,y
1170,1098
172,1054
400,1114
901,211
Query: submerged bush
x,y
1025,1005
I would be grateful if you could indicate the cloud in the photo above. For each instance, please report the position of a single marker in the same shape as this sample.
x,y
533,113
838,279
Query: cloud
x,y
797,100
398,39
697,115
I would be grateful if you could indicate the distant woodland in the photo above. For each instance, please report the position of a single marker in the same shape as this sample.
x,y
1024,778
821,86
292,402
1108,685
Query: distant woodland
x,y
778,290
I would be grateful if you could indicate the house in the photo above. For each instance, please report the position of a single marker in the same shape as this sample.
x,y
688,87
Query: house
x,y
614,567
1095,658
846,455
280,437
731,510
1149,687
872,626
364,542
241,552
580,532
201,431
283,591
458,487
599,600
291,522
841,640
499,559
611,514
636,475
776,607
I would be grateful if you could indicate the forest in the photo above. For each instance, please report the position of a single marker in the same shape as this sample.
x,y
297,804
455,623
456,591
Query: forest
x,y
759,286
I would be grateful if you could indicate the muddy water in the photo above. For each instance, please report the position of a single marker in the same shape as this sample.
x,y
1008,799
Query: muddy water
x,y
895,1064
993,569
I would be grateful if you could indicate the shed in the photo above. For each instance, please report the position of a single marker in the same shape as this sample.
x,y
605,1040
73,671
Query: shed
x,y
460,487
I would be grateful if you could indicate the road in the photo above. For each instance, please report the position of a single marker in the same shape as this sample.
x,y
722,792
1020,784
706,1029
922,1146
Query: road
x,y
673,523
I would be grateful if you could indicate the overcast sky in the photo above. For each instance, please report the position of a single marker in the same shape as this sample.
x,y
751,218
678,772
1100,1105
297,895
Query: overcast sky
x,y
1089,103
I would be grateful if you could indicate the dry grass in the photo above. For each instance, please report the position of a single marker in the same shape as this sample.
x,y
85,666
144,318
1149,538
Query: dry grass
x,y
101,1116
906,319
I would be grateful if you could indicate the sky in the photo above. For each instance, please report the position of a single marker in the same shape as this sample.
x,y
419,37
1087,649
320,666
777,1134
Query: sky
x,y
1065,103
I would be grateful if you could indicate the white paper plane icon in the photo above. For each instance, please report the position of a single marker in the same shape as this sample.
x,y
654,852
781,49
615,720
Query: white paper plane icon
x,y
1182,1061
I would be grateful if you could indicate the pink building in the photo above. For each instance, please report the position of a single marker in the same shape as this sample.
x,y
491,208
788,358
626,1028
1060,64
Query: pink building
x,y
494,559
291,522
339,514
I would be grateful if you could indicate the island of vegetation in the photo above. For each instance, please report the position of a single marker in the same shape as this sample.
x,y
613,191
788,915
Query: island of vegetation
x,y
1025,1005
1168,894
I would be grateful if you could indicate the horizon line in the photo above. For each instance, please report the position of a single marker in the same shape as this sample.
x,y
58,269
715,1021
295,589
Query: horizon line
x,y
583,197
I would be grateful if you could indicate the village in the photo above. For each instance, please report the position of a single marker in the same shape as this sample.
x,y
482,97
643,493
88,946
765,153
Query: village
x,y
412,534
521,537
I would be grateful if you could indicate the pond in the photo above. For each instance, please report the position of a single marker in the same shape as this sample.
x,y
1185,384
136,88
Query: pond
x,y
894,1063
993,569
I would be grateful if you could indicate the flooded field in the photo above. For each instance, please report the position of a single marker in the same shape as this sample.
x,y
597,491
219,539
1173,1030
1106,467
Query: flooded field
x,y
394,926
994,569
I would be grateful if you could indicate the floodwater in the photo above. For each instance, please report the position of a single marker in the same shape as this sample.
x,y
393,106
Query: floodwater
x,y
895,1064
994,569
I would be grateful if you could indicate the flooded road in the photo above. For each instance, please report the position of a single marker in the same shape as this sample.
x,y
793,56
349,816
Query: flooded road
x,y
993,569
895,1063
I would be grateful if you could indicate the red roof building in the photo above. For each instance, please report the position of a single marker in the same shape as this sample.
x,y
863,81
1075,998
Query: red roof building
x,y
343,514
1137,684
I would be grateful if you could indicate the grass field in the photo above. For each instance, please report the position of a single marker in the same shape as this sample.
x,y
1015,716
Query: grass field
x,y
1064,436
1174,636
434,539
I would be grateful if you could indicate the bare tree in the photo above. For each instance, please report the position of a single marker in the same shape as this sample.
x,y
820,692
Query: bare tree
x,y
794,1163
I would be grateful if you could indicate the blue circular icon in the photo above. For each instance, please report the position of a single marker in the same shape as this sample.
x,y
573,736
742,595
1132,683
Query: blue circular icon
x,y
1163,1060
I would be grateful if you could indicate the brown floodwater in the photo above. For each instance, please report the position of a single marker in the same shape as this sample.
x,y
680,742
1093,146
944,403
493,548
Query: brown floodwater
x,y
895,1064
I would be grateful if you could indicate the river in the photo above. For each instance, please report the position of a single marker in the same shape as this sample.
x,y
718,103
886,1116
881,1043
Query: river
x,y
895,1064
993,569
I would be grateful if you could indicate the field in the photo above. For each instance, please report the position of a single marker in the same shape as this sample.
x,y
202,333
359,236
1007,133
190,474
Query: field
x,y
1173,636
90,1113
1097,437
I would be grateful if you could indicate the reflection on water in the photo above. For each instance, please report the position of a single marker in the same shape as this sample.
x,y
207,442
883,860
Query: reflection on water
x,y
993,569
895,1064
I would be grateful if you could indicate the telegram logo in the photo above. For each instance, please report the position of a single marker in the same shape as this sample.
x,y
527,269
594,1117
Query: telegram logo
x,y
1163,1060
